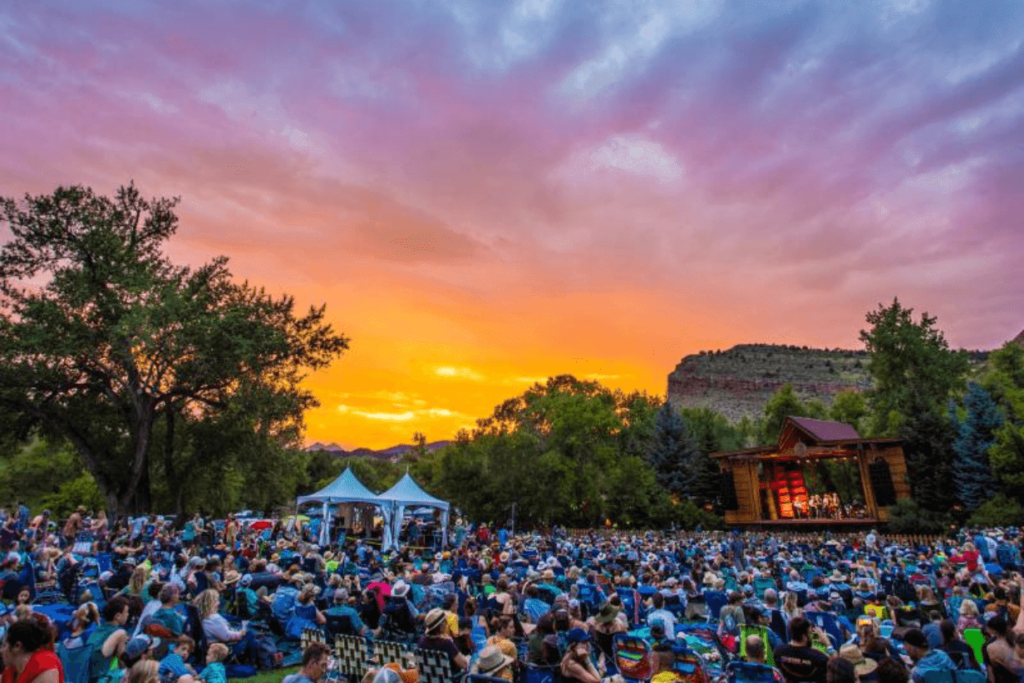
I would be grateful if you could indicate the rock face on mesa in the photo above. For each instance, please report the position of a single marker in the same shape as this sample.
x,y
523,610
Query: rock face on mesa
x,y
738,382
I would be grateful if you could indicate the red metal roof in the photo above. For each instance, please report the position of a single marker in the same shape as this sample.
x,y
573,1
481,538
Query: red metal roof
x,y
823,430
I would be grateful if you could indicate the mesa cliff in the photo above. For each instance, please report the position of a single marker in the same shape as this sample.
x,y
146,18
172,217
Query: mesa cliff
x,y
739,381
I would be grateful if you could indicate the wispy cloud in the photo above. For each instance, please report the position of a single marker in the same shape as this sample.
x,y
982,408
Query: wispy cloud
x,y
534,182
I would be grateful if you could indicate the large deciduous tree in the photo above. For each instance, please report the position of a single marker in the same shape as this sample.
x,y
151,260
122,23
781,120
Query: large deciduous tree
x,y
911,364
102,338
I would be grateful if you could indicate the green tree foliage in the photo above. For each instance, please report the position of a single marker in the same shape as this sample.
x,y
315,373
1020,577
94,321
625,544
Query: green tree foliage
x,y
911,364
975,434
909,517
915,375
1004,381
850,407
45,475
568,451
999,511
785,403
102,339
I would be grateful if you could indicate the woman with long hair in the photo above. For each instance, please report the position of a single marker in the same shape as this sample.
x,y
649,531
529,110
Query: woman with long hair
x,y
241,642
790,609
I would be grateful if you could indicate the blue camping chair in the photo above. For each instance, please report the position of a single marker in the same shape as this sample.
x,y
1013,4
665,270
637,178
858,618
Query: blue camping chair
x,y
715,600
828,623
748,672
75,660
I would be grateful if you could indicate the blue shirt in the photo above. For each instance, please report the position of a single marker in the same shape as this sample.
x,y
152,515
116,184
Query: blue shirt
x,y
934,660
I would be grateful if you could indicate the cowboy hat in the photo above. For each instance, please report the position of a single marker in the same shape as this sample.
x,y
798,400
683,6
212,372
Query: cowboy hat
x,y
491,661
400,589
231,577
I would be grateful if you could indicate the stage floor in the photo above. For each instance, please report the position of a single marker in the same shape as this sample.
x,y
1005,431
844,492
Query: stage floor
x,y
811,522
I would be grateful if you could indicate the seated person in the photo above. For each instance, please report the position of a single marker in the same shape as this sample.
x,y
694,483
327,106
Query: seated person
x,y
174,666
437,637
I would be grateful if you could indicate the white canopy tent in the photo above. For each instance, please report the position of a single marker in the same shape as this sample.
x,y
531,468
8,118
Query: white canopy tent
x,y
346,489
407,494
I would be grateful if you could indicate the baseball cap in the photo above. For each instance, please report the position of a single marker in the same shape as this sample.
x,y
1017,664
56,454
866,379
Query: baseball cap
x,y
139,645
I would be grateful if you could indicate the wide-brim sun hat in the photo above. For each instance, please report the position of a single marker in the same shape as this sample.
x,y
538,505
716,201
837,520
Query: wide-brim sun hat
x,y
491,661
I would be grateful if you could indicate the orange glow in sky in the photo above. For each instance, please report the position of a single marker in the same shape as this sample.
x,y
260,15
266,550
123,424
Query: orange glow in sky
x,y
486,194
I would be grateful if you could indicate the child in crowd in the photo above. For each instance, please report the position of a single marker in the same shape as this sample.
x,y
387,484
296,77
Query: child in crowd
x,y
214,671
175,667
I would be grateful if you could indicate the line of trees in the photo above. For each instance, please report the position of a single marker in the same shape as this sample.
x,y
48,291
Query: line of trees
x,y
133,383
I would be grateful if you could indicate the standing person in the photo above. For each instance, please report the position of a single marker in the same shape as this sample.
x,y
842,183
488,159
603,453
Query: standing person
x,y
738,549
798,660
72,526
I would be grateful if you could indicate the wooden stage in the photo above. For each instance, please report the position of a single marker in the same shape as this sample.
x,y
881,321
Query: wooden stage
x,y
810,524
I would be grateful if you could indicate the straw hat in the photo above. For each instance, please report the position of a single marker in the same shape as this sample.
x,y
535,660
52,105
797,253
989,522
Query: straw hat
x,y
491,661
862,666
436,618
231,577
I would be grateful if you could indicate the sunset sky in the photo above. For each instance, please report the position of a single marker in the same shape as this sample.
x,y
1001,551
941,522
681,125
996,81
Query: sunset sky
x,y
489,193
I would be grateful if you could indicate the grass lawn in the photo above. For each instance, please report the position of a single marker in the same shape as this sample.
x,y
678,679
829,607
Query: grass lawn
x,y
272,676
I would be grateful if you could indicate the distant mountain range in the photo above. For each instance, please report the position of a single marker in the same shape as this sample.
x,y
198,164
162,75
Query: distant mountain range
x,y
393,454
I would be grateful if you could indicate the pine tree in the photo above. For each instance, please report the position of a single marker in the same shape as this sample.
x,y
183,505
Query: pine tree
x,y
928,443
671,453
975,434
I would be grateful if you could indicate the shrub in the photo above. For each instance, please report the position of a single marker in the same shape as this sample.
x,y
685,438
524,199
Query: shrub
x,y
999,511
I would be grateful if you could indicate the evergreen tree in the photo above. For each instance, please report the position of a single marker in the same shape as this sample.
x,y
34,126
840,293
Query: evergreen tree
x,y
672,453
928,444
975,435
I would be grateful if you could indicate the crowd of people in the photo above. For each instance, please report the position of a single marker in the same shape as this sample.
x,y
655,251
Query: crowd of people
x,y
149,600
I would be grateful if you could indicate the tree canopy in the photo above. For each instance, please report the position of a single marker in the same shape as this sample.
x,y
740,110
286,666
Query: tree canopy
x,y
103,338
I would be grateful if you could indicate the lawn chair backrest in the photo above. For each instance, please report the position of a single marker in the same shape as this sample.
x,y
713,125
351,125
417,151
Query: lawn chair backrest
x,y
532,673
761,584
778,625
749,672
970,676
879,611
352,655
828,623
976,639
633,657
387,651
938,676
75,661
747,630
433,665
715,600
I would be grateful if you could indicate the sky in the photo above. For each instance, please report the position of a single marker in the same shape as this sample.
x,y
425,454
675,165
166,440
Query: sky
x,y
486,194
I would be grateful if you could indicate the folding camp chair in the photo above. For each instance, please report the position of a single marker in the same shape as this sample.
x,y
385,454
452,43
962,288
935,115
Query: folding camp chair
x,y
828,623
969,676
939,676
352,656
387,651
433,665
633,657
749,672
976,639
716,600
75,661
747,630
